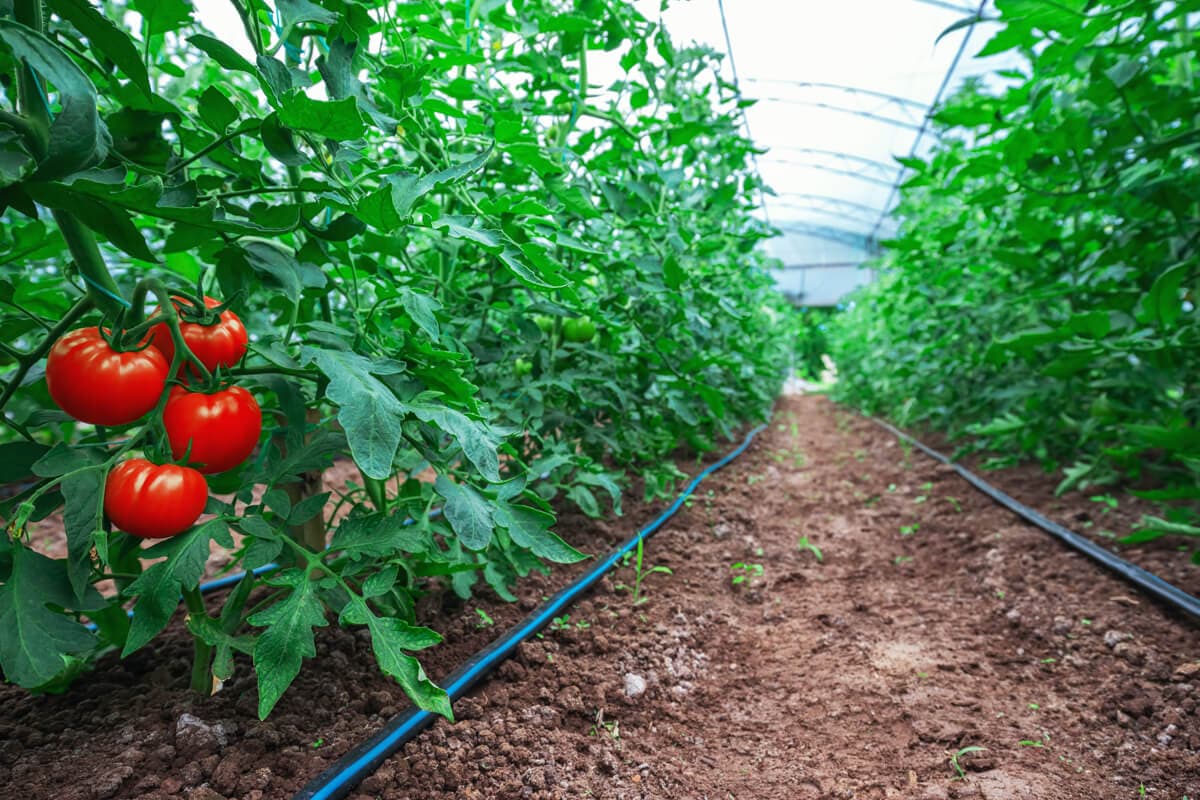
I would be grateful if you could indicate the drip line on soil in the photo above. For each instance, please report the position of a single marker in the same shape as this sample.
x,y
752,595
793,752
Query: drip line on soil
x,y
347,772
1143,579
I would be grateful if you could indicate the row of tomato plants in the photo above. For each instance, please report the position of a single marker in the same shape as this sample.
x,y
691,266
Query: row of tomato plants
x,y
1039,300
441,252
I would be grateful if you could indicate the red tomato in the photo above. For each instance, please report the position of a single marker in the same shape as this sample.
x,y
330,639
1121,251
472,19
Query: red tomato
x,y
222,344
222,427
94,383
154,501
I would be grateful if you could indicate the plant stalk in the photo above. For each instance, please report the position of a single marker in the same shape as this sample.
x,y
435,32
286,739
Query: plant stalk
x,y
202,681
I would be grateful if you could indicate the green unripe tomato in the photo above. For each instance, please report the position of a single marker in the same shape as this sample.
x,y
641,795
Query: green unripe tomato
x,y
545,323
522,367
579,330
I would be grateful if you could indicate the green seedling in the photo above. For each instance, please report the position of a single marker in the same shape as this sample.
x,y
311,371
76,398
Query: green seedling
x,y
1110,503
909,530
640,573
958,754
612,728
317,743
898,560
742,571
805,544
484,621
953,501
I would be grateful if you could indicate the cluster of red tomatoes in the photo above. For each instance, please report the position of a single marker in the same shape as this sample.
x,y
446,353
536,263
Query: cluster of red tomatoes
x,y
213,431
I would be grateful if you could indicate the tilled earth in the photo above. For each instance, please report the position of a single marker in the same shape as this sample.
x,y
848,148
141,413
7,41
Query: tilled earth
x,y
933,623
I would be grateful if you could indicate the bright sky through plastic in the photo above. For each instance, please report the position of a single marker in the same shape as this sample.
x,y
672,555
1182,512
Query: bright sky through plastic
x,y
830,163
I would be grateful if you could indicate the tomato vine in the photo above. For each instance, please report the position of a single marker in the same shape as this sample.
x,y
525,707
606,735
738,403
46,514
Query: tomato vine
x,y
392,199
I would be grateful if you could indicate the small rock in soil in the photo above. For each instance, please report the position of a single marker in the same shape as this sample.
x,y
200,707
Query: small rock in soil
x,y
635,685
1186,671
194,736
1114,638
108,785
205,793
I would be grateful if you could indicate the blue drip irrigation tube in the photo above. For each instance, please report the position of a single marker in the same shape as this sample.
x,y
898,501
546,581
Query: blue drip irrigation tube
x,y
1143,579
346,773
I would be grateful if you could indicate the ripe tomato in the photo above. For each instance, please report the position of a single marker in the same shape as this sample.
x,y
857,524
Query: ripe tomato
x,y
579,330
222,344
153,501
222,427
94,383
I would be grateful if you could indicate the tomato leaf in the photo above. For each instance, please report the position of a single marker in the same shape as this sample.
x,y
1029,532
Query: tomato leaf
x,y
530,528
34,639
367,409
78,137
389,639
105,37
158,588
469,513
288,638
378,535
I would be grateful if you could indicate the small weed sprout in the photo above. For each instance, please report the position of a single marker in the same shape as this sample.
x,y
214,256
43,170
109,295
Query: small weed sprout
x,y
909,530
640,573
955,756
805,544
743,571
485,620
612,728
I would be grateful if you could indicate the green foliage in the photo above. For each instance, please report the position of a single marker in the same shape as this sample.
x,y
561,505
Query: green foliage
x,y
400,203
812,341
1039,300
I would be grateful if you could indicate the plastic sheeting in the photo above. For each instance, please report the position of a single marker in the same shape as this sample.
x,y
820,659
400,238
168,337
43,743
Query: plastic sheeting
x,y
841,88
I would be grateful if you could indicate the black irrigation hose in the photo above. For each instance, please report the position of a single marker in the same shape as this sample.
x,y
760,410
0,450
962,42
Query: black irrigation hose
x,y
1146,581
346,773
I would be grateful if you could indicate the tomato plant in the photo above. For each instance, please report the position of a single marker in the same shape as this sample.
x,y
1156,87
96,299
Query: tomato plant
x,y
1035,303
392,199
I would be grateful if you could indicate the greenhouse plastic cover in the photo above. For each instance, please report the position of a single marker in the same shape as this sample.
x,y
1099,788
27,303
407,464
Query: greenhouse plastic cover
x,y
841,87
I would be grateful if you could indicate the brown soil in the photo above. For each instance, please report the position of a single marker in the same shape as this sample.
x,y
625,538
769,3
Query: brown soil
x,y
859,676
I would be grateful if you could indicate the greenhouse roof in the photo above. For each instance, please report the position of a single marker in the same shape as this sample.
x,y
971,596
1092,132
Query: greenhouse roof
x,y
841,89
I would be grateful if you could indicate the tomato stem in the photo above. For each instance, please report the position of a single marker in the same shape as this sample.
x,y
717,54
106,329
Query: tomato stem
x,y
30,95
202,679
183,353
100,284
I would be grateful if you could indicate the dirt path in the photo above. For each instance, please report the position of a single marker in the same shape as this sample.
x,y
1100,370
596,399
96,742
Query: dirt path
x,y
857,677
935,622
